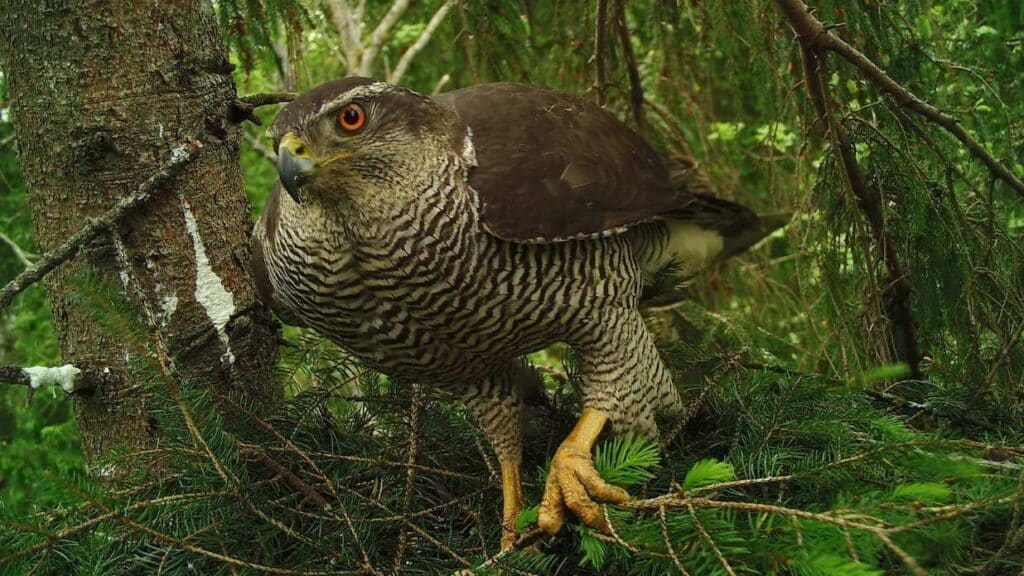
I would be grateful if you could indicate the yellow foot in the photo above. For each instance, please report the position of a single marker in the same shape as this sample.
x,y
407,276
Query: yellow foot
x,y
574,483
512,492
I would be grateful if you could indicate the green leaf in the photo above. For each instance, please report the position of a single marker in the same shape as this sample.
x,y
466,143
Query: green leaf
x,y
527,517
831,565
627,460
886,372
929,492
708,471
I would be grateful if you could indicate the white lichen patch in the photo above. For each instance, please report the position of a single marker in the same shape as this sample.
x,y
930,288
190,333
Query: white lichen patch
x,y
211,293
168,304
63,376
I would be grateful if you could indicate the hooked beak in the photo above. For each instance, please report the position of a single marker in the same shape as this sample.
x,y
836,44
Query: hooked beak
x,y
294,165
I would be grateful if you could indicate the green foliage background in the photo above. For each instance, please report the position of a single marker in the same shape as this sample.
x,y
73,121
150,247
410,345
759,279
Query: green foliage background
x,y
792,342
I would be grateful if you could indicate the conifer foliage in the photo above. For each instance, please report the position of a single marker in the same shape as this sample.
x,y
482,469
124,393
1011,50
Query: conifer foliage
x,y
856,380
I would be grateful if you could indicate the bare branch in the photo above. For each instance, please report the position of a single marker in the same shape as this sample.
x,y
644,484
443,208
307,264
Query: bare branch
x,y
20,254
870,200
410,471
599,43
96,226
636,90
258,146
348,22
71,379
420,43
441,82
381,34
813,34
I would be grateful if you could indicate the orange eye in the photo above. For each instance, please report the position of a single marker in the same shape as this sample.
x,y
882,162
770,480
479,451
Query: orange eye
x,y
351,117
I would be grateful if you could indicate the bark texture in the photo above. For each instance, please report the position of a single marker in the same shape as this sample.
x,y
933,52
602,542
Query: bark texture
x,y
101,92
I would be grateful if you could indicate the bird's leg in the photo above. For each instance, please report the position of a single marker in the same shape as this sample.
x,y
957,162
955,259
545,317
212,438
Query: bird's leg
x,y
573,481
512,495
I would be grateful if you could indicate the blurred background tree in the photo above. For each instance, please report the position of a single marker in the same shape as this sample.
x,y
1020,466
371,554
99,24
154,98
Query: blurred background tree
x,y
888,395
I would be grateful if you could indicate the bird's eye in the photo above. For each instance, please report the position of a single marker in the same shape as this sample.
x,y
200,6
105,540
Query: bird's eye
x,y
351,117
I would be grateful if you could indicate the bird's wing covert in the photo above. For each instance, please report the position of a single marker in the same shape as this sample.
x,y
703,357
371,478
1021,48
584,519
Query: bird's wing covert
x,y
551,166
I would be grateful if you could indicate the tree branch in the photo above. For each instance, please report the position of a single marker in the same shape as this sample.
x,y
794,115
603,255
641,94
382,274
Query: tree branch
x,y
599,43
381,34
813,34
96,226
636,89
243,108
68,378
868,197
20,254
258,146
420,43
347,23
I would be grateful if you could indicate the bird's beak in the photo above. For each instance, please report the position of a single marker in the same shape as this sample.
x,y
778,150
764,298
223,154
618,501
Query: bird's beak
x,y
294,166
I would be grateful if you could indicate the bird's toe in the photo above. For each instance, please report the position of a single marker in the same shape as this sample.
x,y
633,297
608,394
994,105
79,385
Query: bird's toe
x,y
574,483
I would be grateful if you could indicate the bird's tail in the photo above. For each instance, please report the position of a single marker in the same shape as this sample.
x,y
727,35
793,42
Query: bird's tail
x,y
707,230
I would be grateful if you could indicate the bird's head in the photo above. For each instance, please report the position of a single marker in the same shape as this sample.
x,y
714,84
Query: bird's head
x,y
360,140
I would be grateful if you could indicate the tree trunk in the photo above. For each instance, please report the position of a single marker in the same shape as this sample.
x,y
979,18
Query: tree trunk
x,y
101,92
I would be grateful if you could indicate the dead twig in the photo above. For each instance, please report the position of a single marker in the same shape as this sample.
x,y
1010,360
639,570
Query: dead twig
x,y
636,90
599,48
410,472
94,227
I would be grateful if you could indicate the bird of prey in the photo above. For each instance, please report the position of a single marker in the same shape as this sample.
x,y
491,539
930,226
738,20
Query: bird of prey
x,y
439,240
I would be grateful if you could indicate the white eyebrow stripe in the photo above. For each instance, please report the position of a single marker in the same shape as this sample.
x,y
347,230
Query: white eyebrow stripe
x,y
357,92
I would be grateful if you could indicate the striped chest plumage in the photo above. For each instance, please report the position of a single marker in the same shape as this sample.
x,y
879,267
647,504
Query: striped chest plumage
x,y
429,294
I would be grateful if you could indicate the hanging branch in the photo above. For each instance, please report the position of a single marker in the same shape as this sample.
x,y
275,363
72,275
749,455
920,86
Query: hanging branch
x,y
816,36
868,197
636,89
96,226
599,43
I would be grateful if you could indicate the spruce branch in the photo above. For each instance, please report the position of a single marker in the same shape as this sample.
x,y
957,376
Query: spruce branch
x,y
815,36
870,200
94,227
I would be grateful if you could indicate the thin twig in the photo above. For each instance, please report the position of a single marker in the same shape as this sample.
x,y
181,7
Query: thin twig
x,y
258,146
410,472
636,89
20,254
870,200
668,542
599,48
267,98
96,226
420,43
707,537
813,34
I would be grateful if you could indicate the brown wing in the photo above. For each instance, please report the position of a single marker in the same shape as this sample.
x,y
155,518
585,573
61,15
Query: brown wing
x,y
552,166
